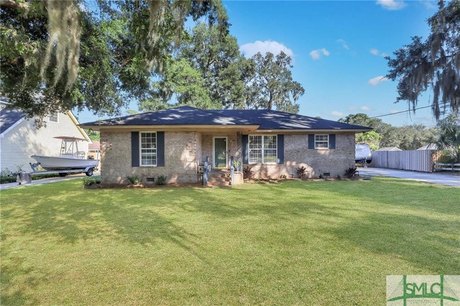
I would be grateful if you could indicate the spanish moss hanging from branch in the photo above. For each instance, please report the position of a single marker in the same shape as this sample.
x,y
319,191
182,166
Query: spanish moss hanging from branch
x,y
64,32
432,64
76,54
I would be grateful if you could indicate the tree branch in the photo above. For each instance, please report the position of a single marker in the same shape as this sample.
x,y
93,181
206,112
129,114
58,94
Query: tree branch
x,y
11,4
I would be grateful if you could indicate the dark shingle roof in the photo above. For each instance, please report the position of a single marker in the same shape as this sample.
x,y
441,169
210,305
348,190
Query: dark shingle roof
x,y
275,120
265,119
184,115
8,117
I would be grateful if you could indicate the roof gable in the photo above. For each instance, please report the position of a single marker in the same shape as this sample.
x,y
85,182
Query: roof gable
x,y
8,118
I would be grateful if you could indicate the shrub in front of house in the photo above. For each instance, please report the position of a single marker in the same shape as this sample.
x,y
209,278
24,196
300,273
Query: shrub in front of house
x,y
133,180
161,180
247,173
351,172
301,172
92,182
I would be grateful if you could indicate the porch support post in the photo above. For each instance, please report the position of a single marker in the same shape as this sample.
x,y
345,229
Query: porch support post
x,y
232,171
206,171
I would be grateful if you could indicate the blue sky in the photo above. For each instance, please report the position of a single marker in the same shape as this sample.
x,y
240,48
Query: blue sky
x,y
337,49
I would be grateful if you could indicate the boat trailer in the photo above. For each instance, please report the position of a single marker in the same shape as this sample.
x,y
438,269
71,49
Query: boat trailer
x,y
23,177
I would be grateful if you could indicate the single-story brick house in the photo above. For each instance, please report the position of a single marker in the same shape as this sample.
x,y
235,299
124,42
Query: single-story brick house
x,y
175,142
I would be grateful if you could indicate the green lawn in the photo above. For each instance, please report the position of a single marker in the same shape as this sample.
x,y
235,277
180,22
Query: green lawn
x,y
318,243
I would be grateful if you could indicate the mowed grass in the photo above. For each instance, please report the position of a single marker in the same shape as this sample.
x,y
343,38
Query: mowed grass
x,y
314,243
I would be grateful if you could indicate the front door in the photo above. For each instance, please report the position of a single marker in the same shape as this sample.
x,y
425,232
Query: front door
x,y
220,152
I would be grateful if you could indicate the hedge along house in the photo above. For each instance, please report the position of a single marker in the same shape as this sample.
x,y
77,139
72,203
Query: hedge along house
x,y
176,141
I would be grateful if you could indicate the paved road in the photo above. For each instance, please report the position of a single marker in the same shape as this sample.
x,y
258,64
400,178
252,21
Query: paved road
x,y
434,178
42,181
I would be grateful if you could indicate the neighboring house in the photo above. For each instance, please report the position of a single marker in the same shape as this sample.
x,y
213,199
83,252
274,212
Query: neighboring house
x,y
94,150
176,141
430,147
19,137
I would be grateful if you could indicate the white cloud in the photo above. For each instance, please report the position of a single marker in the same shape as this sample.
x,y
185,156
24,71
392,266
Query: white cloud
x,y
377,80
392,5
337,114
316,54
263,47
377,52
365,108
343,43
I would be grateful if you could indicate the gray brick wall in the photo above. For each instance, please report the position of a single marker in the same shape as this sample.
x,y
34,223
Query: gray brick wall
x,y
317,162
182,151
185,150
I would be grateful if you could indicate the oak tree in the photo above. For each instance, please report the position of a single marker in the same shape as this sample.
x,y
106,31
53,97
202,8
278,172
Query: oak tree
x,y
433,63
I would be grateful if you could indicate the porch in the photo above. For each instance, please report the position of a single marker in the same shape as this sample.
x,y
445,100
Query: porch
x,y
220,151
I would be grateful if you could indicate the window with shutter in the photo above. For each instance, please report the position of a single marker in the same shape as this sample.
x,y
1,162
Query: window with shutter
x,y
148,149
263,149
321,141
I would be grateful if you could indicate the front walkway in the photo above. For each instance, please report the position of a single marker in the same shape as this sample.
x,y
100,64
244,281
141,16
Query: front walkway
x,y
434,178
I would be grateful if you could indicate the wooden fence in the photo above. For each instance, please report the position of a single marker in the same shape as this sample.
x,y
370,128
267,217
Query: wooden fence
x,y
415,160
446,167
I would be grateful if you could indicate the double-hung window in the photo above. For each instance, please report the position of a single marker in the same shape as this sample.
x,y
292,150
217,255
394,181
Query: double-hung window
x,y
255,149
148,148
262,149
321,141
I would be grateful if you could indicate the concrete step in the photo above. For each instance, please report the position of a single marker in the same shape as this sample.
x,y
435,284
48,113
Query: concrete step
x,y
219,178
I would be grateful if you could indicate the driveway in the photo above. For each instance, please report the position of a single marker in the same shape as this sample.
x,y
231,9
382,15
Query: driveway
x,y
434,178
42,181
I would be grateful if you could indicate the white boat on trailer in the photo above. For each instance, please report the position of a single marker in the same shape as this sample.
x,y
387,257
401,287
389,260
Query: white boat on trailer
x,y
70,160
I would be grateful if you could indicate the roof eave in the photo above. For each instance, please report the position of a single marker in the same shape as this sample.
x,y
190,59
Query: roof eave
x,y
314,130
169,127
12,127
77,124
218,127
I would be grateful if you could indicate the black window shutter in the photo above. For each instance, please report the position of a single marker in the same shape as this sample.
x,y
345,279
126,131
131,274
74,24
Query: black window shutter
x,y
135,149
331,141
280,149
311,141
160,149
244,142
